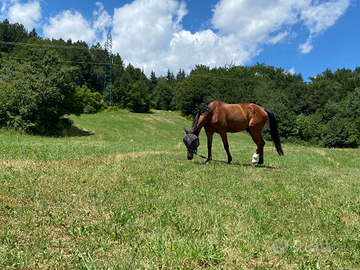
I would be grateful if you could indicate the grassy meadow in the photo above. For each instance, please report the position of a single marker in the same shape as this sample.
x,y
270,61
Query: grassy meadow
x,y
117,192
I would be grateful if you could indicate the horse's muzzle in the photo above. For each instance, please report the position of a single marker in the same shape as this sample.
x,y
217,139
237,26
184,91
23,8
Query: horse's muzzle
x,y
191,142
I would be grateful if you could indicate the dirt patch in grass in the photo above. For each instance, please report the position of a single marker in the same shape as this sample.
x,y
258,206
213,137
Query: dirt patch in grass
x,y
29,164
26,164
134,155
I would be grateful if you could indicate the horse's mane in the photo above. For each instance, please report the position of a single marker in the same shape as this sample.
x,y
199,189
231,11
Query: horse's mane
x,y
205,108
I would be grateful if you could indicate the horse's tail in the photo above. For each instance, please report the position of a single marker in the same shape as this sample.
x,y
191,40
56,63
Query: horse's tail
x,y
274,132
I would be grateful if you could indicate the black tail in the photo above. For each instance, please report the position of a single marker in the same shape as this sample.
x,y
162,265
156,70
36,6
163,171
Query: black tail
x,y
274,132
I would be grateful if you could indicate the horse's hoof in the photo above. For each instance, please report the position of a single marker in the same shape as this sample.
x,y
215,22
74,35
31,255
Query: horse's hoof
x,y
256,165
208,161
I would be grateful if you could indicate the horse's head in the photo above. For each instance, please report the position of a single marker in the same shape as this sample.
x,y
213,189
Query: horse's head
x,y
191,141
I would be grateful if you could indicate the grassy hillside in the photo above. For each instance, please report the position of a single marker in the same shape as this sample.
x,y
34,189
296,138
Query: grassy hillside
x,y
119,193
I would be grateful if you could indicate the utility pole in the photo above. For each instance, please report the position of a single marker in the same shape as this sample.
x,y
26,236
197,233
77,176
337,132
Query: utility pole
x,y
108,93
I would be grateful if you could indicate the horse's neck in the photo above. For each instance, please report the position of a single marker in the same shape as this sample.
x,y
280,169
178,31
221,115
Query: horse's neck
x,y
203,121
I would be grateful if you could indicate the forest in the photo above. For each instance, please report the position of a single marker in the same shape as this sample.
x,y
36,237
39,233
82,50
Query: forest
x,y
42,81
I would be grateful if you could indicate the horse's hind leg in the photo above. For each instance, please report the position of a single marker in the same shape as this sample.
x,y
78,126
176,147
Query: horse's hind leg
x,y
258,140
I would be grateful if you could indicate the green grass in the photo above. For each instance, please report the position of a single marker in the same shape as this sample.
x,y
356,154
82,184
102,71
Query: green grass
x,y
119,193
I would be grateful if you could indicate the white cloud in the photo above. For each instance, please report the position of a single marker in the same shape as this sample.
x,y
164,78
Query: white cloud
x,y
143,31
278,38
102,19
207,48
306,47
291,71
318,18
69,25
252,20
27,14
256,20
102,22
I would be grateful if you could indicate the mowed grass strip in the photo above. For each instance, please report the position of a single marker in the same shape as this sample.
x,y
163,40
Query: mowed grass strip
x,y
118,193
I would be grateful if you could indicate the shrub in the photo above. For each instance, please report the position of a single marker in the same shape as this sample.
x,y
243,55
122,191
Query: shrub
x,y
339,133
91,101
36,95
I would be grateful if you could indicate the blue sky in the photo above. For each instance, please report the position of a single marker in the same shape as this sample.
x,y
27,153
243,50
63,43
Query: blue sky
x,y
301,36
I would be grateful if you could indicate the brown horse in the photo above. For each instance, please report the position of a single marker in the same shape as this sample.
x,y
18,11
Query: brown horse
x,y
221,118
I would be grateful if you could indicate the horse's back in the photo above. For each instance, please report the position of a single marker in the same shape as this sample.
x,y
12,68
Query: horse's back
x,y
236,117
228,117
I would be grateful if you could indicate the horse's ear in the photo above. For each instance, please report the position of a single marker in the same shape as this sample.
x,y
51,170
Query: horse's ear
x,y
186,131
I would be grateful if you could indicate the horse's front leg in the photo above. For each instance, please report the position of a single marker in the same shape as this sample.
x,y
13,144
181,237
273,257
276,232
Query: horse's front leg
x,y
226,145
209,144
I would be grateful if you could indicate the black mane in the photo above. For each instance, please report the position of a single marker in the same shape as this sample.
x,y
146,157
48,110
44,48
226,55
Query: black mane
x,y
205,108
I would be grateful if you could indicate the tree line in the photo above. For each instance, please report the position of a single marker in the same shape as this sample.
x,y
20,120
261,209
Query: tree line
x,y
43,80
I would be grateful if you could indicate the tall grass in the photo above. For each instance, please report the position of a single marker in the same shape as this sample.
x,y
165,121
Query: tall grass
x,y
118,193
